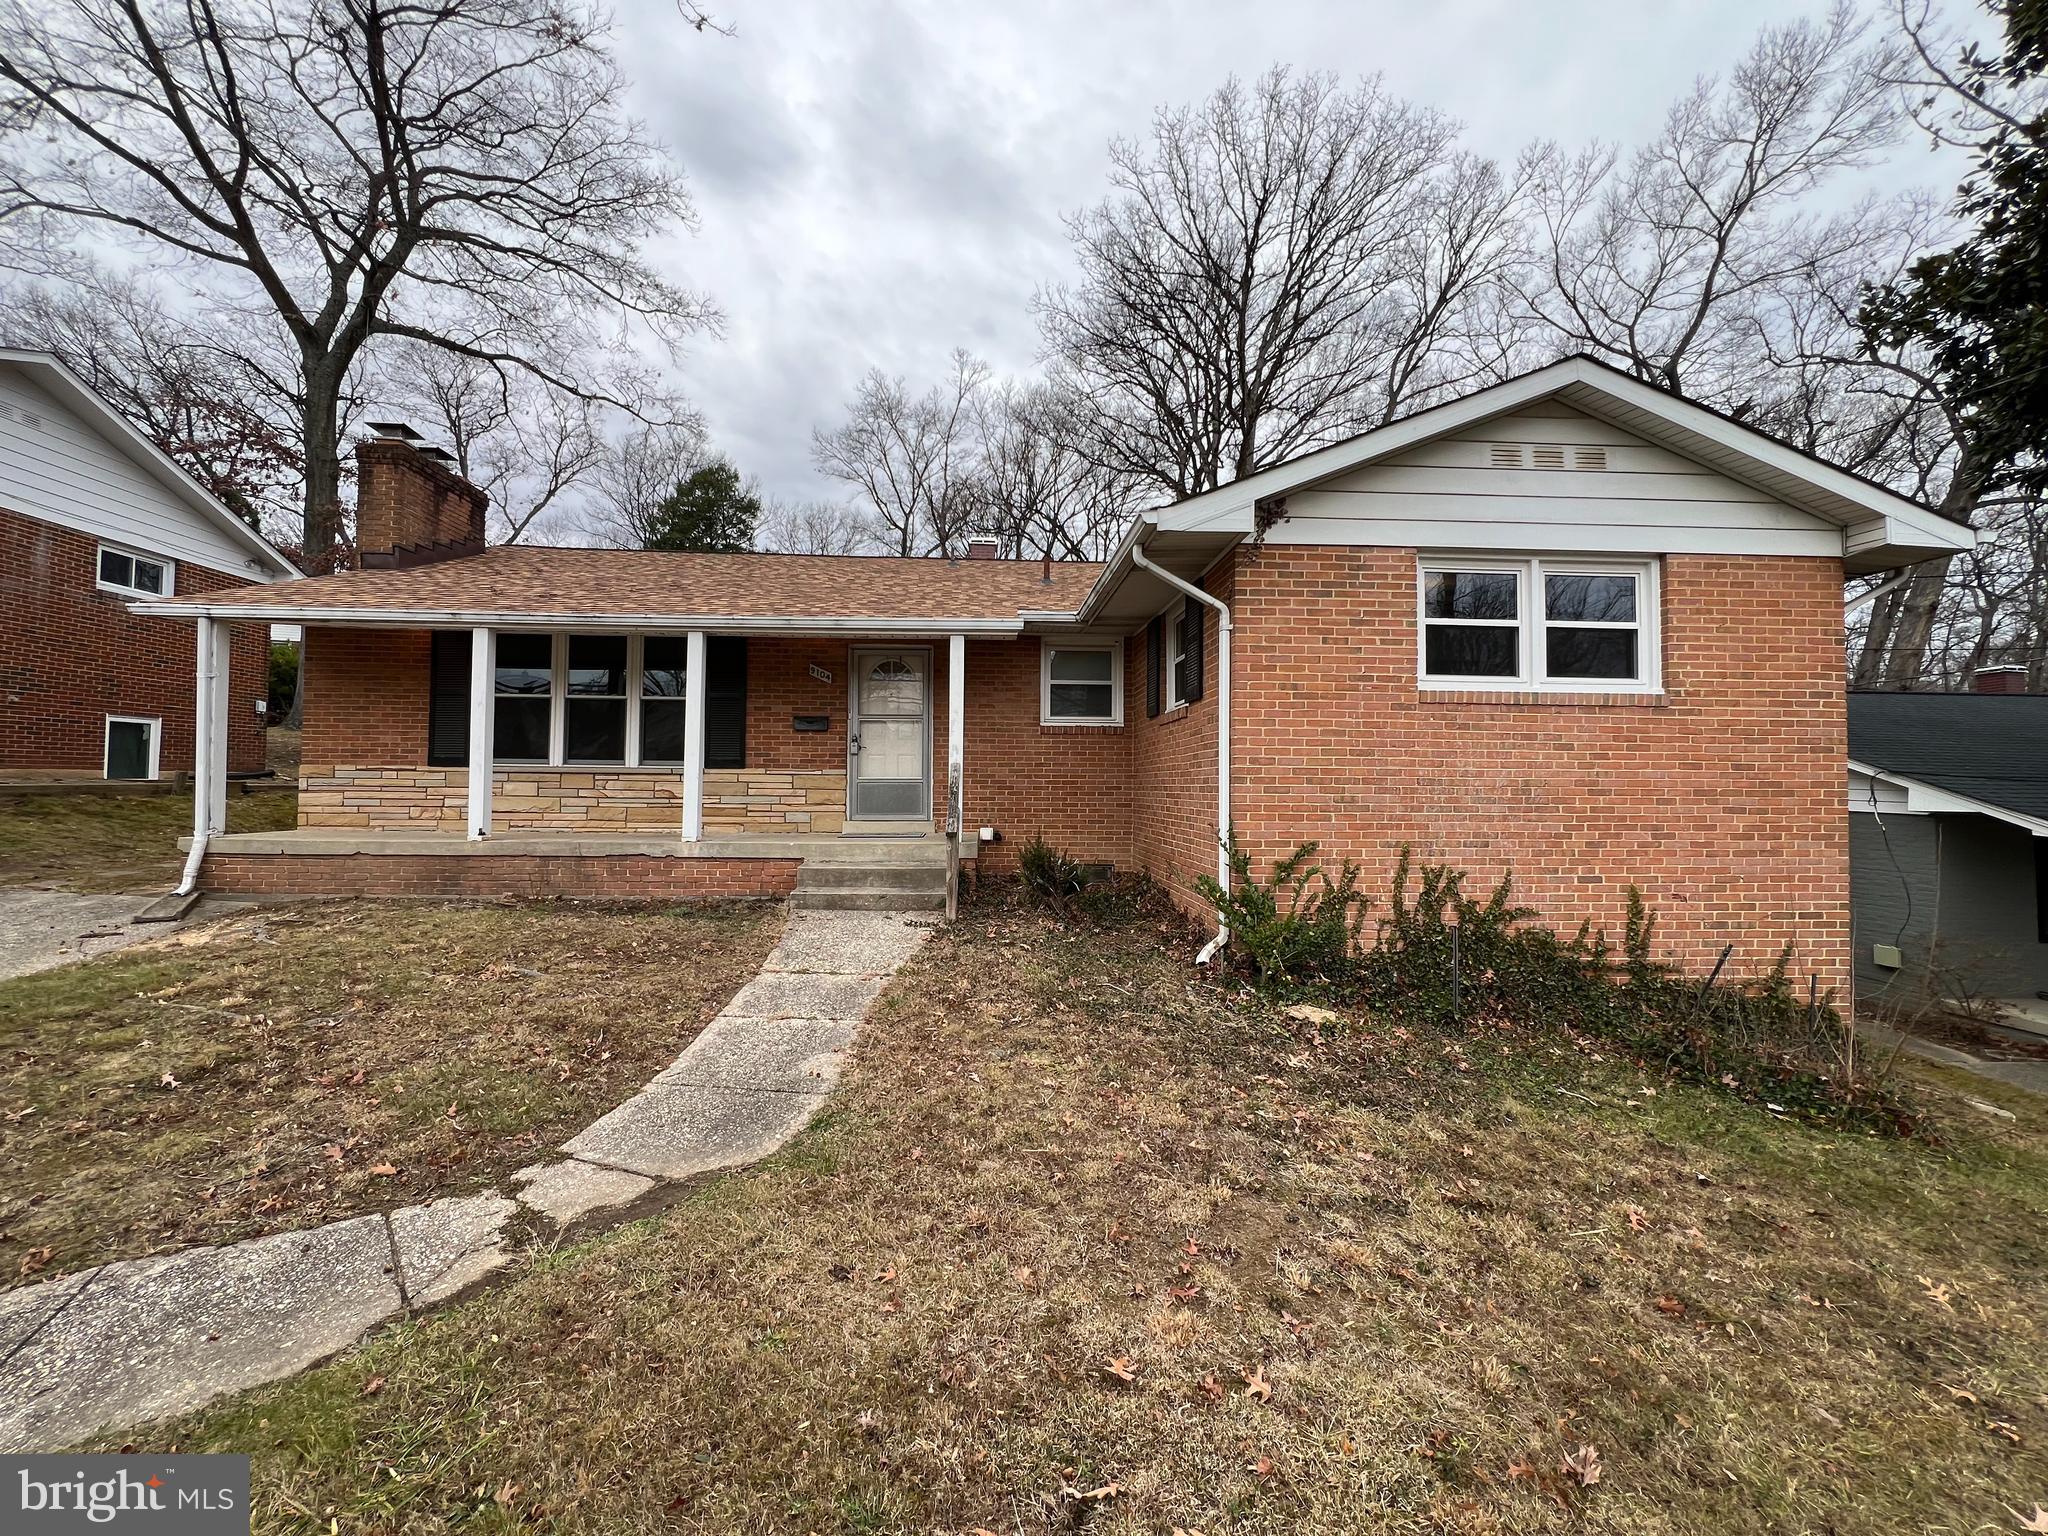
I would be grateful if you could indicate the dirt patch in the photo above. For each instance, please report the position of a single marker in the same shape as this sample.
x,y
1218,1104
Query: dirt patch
x,y
89,842
300,1064
1087,1243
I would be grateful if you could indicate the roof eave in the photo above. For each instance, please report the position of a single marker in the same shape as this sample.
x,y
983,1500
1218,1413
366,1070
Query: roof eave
x,y
473,618
1923,797
81,396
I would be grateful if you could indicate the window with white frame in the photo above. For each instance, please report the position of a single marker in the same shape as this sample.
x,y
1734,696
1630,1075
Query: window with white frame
x,y
1553,623
133,743
124,571
588,700
662,705
1177,678
1081,683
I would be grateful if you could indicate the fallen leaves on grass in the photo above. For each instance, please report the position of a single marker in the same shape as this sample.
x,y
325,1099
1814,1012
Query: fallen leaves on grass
x,y
1120,1367
2037,1522
1256,1385
1582,1463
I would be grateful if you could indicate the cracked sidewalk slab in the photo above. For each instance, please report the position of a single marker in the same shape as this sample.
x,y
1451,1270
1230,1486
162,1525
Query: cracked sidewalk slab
x,y
150,1337
571,1189
446,1246
790,1055
672,1130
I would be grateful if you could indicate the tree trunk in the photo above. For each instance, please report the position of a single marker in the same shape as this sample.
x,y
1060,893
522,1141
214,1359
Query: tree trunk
x,y
1908,661
321,528
1877,639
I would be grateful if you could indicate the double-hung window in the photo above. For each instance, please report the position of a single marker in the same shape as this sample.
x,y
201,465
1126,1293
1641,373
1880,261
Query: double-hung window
x,y
1178,687
1081,683
1552,623
132,575
662,702
589,700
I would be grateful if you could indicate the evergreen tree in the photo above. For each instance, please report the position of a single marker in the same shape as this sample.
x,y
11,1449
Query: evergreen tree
x,y
710,511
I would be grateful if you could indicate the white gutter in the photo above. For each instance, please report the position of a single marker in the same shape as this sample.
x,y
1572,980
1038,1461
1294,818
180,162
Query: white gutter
x,y
1190,590
469,618
1923,798
204,767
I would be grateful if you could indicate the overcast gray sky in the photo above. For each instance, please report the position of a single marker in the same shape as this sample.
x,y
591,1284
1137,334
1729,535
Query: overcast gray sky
x,y
882,180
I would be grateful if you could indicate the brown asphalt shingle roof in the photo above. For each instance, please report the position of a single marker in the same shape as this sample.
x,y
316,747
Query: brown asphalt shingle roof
x,y
622,583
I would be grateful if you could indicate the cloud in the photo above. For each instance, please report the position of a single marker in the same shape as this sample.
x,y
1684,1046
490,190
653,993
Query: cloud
x,y
880,181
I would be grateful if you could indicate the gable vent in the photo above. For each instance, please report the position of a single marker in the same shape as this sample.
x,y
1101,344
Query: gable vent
x,y
15,413
1589,458
1549,456
1507,455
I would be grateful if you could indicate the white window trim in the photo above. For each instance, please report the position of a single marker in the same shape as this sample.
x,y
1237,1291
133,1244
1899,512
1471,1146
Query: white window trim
x,y
558,708
1169,686
1115,649
170,570
156,741
1531,623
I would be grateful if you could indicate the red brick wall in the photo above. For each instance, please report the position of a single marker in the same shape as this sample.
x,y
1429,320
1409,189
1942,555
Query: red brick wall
x,y
70,655
405,500
1173,759
629,877
1071,783
1722,800
366,697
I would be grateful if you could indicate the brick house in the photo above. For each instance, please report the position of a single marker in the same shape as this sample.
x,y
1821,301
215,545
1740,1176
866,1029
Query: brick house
x,y
92,517
1566,625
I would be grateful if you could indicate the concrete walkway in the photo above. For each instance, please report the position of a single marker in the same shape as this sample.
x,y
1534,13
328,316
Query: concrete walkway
x,y
144,1338
42,928
2031,1075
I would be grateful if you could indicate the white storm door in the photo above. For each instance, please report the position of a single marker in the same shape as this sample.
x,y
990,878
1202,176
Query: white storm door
x,y
888,748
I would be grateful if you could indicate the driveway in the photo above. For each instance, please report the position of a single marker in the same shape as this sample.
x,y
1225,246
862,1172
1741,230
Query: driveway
x,y
42,928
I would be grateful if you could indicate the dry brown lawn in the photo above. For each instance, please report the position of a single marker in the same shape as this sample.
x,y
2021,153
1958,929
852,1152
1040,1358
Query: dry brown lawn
x,y
1086,1243
294,1065
92,842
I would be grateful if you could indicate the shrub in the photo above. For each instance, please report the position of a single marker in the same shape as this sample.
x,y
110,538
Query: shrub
x,y
1299,925
1760,1039
1051,877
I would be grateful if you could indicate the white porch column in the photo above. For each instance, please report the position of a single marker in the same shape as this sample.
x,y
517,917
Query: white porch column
x,y
215,702
483,678
956,718
695,685
204,718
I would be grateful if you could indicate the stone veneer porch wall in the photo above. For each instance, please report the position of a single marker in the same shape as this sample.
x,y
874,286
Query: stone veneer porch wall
x,y
598,800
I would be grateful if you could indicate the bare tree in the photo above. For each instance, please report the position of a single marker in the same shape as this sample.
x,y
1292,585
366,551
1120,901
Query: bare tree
x,y
914,461
202,396
458,175
1284,264
530,446
814,528
1043,491
1654,264
634,476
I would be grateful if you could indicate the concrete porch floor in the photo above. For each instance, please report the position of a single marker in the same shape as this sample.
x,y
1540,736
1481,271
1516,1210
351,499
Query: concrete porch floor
x,y
908,849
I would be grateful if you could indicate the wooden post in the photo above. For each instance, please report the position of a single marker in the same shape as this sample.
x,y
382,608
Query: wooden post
x,y
956,757
483,684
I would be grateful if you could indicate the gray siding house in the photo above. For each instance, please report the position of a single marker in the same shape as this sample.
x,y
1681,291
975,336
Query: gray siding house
x,y
1948,846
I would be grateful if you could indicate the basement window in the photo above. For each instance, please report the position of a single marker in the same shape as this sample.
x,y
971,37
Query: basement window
x,y
131,574
1555,623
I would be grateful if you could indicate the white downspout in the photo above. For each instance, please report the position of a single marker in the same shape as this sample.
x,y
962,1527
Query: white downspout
x,y
203,767
1190,590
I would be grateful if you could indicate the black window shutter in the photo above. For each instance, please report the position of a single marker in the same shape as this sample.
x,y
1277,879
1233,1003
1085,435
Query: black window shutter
x,y
1153,634
448,700
725,702
1196,613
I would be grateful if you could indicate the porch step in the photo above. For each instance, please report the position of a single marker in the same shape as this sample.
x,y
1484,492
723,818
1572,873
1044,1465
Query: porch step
x,y
839,886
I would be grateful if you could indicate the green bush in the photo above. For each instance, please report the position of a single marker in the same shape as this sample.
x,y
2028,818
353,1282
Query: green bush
x,y
1297,926
1759,1039
284,678
1050,876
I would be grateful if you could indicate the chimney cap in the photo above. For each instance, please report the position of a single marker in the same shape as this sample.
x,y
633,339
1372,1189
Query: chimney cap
x,y
439,455
399,429
2005,677
981,549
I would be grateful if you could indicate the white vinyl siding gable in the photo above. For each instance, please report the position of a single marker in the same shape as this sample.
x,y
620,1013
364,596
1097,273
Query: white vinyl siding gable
x,y
1548,477
58,468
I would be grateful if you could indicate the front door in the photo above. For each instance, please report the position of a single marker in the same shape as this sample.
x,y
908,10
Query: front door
x,y
888,743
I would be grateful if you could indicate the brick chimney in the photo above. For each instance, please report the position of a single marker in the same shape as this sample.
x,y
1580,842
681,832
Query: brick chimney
x,y
981,549
1999,680
411,506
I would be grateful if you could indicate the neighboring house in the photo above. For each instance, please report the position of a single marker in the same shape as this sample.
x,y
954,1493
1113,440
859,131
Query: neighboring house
x,y
1948,841
92,517
1567,626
